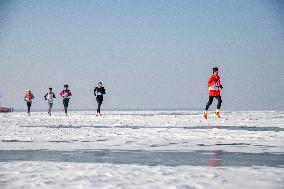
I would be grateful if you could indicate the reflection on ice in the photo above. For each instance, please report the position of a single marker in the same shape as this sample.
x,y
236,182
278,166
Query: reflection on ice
x,y
214,160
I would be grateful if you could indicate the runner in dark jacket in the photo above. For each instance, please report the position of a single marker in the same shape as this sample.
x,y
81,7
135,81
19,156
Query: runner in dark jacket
x,y
99,92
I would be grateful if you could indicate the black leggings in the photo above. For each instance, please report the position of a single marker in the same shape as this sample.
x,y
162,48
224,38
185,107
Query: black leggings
x,y
211,100
99,108
65,103
29,104
99,101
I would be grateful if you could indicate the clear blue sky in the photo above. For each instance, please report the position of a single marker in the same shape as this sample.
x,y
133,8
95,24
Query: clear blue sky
x,y
148,54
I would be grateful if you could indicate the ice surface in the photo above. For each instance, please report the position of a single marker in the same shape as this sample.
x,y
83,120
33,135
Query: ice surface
x,y
179,132
255,132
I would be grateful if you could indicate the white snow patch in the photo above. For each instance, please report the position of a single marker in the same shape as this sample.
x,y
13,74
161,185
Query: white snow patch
x,y
84,175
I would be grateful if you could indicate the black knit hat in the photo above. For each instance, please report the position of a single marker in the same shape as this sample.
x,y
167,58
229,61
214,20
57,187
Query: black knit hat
x,y
215,69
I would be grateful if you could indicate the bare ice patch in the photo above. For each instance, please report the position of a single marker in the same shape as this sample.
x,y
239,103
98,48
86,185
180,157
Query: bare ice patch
x,y
152,158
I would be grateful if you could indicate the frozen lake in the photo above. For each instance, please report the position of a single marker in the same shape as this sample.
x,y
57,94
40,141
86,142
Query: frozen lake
x,y
174,149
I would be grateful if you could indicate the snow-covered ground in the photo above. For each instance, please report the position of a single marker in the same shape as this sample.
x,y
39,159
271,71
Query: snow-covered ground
x,y
85,175
259,133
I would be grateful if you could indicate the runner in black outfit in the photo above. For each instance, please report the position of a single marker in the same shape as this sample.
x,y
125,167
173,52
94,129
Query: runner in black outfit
x,y
99,92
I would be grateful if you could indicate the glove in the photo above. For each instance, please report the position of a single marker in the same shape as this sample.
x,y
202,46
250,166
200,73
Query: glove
x,y
221,87
216,80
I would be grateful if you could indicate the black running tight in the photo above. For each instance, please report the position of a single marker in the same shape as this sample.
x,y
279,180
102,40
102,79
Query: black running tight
x,y
211,100
29,104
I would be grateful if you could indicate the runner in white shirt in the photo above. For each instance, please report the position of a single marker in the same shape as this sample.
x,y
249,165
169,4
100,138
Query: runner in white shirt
x,y
49,97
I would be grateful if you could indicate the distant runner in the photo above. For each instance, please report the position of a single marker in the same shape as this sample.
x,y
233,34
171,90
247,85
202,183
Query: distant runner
x,y
214,86
49,97
29,98
99,92
65,94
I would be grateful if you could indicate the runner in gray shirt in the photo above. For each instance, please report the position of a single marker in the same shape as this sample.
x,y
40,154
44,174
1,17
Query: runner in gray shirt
x,y
49,97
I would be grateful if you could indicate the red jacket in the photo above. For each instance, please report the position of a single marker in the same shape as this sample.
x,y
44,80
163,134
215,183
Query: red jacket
x,y
66,93
29,97
214,85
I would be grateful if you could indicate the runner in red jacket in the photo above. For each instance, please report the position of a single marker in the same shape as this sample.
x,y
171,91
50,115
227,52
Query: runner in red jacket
x,y
65,94
29,98
214,86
